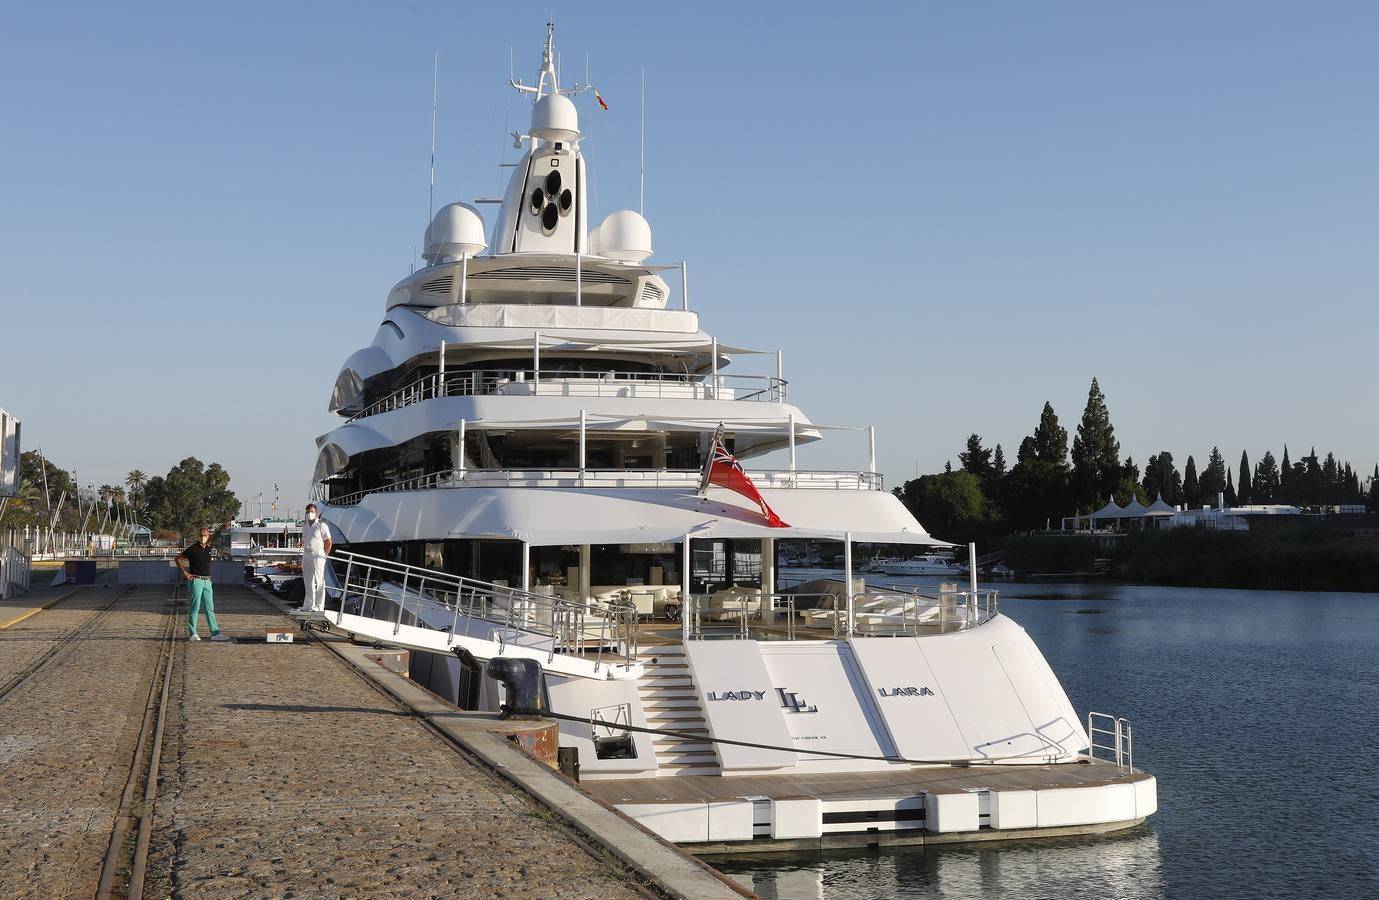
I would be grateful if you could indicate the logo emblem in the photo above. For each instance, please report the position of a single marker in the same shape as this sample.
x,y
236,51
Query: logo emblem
x,y
736,695
905,692
791,701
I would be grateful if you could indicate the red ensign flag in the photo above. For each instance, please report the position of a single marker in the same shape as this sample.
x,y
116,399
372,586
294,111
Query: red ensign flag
x,y
723,469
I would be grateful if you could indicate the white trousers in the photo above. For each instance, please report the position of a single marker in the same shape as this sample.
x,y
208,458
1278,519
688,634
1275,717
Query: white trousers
x,y
314,580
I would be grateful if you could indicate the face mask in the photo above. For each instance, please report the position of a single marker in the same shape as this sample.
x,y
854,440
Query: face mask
x,y
311,517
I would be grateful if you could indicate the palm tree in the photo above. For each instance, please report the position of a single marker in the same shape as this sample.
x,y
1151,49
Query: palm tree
x,y
105,492
117,500
135,481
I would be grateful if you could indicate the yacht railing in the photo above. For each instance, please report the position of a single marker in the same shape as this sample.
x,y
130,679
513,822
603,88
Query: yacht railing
x,y
749,615
402,594
559,383
885,613
1111,740
603,478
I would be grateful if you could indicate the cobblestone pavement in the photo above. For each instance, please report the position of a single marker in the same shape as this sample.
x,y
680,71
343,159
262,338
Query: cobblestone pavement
x,y
286,774
23,641
67,737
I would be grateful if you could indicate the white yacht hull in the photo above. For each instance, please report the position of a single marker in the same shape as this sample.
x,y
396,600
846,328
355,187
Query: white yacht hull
x,y
903,569
904,716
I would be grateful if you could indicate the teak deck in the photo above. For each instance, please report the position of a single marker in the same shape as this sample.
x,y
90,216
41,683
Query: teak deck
x,y
858,786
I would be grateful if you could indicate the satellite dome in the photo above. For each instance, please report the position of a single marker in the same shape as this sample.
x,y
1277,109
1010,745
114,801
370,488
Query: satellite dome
x,y
624,236
554,118
456,231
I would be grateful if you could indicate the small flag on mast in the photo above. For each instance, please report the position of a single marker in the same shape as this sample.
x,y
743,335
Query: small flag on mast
x,y
723,469
599,98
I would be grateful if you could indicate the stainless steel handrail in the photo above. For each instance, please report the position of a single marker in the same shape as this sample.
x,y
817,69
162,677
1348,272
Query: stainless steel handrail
x,y
1120,749
422,594
612,383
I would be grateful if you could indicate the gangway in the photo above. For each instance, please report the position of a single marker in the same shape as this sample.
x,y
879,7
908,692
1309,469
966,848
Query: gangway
x,y
394,604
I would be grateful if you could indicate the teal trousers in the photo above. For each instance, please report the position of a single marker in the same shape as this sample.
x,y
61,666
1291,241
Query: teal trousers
x,y
199,592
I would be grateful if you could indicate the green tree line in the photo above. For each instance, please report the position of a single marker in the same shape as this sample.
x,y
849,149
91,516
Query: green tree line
x,y
984,498
177,504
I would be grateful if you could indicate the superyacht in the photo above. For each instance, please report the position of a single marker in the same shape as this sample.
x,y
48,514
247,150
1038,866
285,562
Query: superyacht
x,y
543,455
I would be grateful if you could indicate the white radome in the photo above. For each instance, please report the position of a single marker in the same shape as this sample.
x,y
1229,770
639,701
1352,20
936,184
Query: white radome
x,y
456,232
625,236
554,118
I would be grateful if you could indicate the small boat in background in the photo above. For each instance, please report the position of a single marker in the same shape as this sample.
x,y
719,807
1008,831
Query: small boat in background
x,y
929,564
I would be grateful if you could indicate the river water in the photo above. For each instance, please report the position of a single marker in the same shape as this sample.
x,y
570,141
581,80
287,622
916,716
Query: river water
x,y
1258,712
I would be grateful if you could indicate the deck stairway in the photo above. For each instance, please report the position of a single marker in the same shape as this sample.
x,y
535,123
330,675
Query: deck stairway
x,y
670,701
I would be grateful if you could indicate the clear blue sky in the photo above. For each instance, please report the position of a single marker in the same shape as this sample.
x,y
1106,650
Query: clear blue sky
x,y
945,214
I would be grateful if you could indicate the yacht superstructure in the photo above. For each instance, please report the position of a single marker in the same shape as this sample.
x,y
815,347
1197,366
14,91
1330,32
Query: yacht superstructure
x,y
520,473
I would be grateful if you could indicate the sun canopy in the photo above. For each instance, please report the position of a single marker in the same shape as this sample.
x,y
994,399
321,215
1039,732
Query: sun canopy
x,y
1134,509
1159,508
1109,511
563,516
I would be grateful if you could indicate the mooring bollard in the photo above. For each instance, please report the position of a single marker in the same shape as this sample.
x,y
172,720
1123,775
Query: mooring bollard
x,y
522,680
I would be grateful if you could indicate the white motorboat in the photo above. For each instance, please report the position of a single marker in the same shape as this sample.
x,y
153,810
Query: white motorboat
x,y
928,564
528,467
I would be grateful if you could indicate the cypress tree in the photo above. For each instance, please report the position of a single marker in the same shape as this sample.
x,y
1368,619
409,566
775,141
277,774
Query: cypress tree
x,y
1374,490
1096,452
1192,490
998,465
1284,494
1037,487
976,458
1161,479
1267,480
1231,498
1242,490
1313,489
1213,480
1050,438
1333,489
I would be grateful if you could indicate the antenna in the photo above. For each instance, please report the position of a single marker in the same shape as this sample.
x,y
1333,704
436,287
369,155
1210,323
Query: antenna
x,y
641,203
431,197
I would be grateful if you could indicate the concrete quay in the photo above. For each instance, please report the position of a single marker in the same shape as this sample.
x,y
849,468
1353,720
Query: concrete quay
x,y
302,769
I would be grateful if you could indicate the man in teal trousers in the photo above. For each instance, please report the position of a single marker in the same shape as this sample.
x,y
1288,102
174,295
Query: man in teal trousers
x,y
195,565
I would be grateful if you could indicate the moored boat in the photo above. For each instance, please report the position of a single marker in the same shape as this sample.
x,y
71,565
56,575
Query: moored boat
x,y
541,458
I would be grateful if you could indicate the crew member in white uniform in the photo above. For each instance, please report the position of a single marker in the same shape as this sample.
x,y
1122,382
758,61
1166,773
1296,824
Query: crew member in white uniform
x,y
316,546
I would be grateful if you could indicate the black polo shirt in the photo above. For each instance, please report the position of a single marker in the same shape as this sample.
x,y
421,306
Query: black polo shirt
x,y
198,559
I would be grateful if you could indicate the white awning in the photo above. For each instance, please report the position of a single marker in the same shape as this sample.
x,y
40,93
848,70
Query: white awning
x,y
562,516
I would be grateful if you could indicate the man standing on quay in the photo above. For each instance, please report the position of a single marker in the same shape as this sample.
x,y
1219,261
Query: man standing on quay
x,y
197,558
316,546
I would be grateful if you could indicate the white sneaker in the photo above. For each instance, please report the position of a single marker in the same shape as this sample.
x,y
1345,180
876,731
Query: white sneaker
x,y
193,638
220,636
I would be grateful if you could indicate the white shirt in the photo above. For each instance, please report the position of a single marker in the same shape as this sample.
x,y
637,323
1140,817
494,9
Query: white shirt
x,y
314,537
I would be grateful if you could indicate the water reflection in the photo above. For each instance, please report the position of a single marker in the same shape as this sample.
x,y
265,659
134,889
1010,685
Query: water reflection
x,y
1124,865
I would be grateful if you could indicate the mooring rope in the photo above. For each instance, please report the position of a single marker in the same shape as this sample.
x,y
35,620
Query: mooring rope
x,y
707,739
